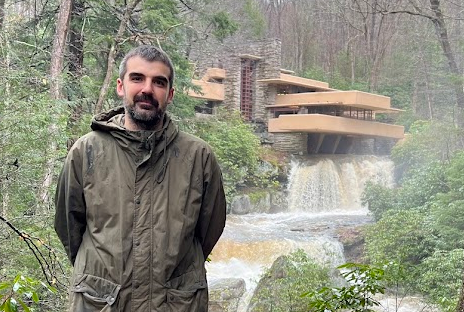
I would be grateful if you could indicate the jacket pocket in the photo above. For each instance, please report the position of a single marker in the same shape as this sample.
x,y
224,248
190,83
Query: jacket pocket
x,y
195,300
92,293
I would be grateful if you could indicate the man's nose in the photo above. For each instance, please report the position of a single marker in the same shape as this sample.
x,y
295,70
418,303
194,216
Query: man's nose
x,y
147,87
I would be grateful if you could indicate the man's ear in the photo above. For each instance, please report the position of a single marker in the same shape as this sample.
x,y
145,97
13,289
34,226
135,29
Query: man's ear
x,y
119,87
170,96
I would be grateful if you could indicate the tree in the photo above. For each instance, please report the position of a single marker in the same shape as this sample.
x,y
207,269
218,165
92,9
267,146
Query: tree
x,y
2,13
235,146
128,10
438,20
441,277
56,66
76,59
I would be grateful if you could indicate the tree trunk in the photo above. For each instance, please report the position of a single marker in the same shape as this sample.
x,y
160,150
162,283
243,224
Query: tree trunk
x,y
57,57
76,38
4,179
59,42
76,55
112,54
460,307
426,75
442,33
2,13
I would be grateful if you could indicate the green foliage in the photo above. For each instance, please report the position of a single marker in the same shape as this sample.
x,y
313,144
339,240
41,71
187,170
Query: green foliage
x,y
256,196
421,186
223,25
418,189
182,109
21,292
447,210
455,177
420,223
335,79
285,283
32,140
406,118
183,106
234,144
158,16
402,236
378,199
441,277
257,22
400,94
363,281
448,223
428,142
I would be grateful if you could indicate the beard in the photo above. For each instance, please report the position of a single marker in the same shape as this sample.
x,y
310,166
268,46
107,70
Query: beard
x,y
145,119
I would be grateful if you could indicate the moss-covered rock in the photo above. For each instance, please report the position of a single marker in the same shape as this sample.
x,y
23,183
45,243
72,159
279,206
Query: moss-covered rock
x,y
225,294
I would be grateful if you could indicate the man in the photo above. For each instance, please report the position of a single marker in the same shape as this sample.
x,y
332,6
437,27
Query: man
x,y
140,204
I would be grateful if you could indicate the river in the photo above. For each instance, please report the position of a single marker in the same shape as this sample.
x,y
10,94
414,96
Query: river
x,y
323,195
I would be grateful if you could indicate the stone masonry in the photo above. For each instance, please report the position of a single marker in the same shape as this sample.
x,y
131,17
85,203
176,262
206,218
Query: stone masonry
x,y
267,56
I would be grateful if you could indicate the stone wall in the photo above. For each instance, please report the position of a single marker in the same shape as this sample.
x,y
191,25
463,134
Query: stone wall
x,y
228,56
268,67
295,143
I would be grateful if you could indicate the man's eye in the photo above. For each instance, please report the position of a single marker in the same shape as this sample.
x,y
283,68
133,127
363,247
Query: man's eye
x,y
136,78
160,83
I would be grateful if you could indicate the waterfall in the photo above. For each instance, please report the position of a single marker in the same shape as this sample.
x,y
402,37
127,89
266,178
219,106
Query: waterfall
x,y
335,183
324,194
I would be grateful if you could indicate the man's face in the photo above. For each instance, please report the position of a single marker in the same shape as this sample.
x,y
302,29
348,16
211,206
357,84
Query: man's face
x,y
145,92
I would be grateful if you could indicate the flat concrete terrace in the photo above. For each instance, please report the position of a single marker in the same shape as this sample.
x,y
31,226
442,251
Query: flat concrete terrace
x,y
319,123
211,90
290,80
214,73
356,99
334,112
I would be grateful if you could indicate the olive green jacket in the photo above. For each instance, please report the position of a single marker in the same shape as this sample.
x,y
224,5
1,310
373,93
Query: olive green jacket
x,y
138,212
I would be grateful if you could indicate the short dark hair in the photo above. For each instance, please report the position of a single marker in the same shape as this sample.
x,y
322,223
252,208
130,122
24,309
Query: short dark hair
x,y
151,54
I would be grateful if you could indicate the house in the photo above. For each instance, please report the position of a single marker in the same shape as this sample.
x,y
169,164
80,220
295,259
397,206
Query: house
x,y
297,115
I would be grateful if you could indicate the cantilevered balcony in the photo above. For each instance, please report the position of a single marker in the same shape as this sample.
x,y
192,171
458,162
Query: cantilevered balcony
x,y
210,84
319,123
290,80
355,99
333,112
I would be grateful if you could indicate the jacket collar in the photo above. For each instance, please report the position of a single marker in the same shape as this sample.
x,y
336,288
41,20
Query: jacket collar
x,y
112,121
155,143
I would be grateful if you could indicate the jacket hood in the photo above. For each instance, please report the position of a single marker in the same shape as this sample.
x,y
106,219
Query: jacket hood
x,y
135,142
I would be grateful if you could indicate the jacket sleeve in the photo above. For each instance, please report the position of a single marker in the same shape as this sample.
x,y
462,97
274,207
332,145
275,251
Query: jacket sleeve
x,y
70,206
212,216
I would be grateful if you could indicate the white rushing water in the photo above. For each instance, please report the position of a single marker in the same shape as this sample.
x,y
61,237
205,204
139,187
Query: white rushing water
x,y
323,195
335,183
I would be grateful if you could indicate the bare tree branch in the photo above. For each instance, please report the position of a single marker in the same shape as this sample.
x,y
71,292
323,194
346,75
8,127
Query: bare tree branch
x,y
46,263
111,56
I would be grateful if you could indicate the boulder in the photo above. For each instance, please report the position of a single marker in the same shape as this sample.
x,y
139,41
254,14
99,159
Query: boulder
x,y
259,201
240,205
267,285
352,239
225,294
278,202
